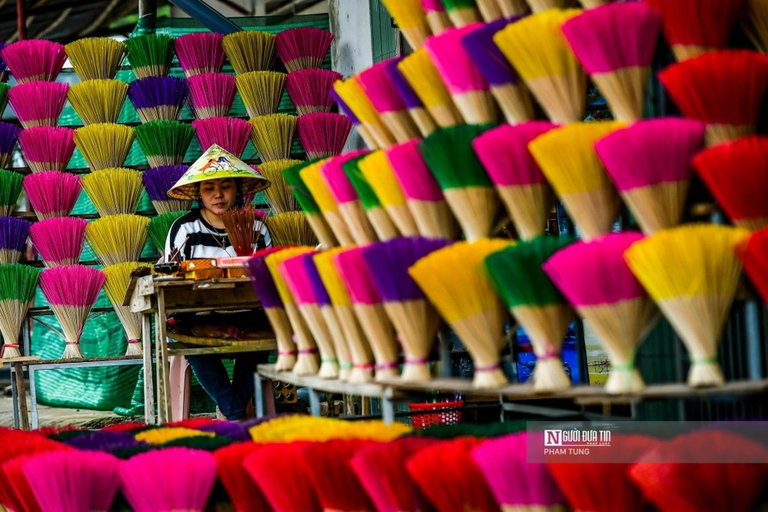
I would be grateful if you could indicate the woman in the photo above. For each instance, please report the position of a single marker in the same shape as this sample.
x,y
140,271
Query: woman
x,y
218,181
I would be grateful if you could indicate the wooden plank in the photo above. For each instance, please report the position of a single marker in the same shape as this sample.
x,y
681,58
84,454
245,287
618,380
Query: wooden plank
x,y
21,393
373,390
35,360
26,360
236,348
145,286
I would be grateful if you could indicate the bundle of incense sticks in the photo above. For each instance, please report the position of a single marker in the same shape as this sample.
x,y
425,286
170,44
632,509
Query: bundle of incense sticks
x,y
383,226
416,108
356,100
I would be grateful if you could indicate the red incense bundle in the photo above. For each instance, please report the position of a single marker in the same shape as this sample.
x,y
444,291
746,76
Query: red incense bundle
x,y
335,484
754,256
350,206
377,85
242,490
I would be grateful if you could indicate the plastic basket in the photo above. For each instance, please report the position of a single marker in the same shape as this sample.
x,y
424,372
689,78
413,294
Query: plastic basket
x,y
422,419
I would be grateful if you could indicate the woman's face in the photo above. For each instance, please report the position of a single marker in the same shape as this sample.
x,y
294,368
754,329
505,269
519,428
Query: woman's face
x,y
218,196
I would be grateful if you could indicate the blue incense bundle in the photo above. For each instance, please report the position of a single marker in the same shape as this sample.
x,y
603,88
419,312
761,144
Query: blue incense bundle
x,y
158,181
415,320
13,238
509,91
416,109
9,135
158,97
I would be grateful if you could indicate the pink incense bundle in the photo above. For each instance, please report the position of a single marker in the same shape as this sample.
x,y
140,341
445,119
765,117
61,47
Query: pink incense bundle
x,y
303,47
532,486
423,195
34,60
200,52
52,193
379,467
517,177
71,291
59,240
211,94
437,18
383,94
230,133
145,483
650,164
369,310
310,89
464,81
372,128
350,206
47,148
594,277
335,484
724,89
323,134
73,480
692,28
617,60
38,103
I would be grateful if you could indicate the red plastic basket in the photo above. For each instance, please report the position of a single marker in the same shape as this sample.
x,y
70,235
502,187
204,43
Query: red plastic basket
x,y
423,420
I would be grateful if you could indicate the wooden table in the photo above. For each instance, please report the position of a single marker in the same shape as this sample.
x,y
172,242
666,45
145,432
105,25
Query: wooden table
x,y
161,296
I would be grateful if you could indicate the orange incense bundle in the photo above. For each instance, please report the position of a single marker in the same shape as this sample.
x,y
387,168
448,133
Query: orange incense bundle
x,y
724,89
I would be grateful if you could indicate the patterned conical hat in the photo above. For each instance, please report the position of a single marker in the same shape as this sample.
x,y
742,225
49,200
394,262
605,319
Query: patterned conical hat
x,y
217,163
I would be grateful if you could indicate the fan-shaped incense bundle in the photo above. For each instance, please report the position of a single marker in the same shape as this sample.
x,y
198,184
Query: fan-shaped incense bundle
x,y
567,158
723,89
692,273
52,193
164,142
104,146
211,94
113,191
379,175
506,87
150,54
71,291
418,112
279,195
158,97
291,228
650,164
307,361
47,148
243,226
115,286
753,20
17,290
519,182
455,282
414,319
34,59
310,89
160,225
323,134
425,200
537,305
117,238
303,47
200,52
421,74
38,103
468,190
158,182
59,240
538,51
230,133
411,20
737,175
95,58
10,189
268,462
382,224
13,238
351,92
468,88
272,136
317,186
250,50
597,281
292,177
753,255
243,492
344,109
384,97
9,134
98,101
618,61
261,91
369,310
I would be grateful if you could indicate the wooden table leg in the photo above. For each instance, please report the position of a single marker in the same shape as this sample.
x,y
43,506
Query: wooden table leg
x,y
149,388
163,370
18,369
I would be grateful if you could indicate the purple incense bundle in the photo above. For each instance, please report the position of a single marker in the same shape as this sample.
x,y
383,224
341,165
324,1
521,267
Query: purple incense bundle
x,y
158,97
158,181
47,148
414,318
510,92
230,133
419,114
13,238
104,441
230,429
9,134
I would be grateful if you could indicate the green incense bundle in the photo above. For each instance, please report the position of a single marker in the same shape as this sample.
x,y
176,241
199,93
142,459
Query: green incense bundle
x,y
382,224
315,217
160,225
164,142
4,88
468,190
537,305
10,189
17,289
150,54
